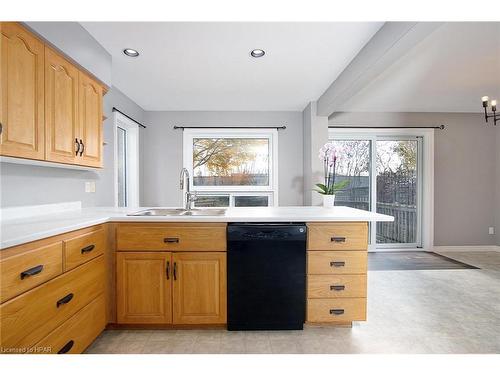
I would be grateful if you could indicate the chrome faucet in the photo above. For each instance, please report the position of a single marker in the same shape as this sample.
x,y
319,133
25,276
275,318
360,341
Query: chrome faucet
x,y
190,197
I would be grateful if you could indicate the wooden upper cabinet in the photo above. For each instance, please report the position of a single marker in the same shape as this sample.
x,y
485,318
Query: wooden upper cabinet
x,y
49,108
144,288
61,109
21,94
199,291
90,108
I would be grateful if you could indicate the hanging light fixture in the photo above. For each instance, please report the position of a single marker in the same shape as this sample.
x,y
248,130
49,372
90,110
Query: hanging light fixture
x,y
487,115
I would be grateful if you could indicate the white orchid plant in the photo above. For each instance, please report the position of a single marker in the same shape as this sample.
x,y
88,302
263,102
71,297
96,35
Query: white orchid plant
x,y
330,155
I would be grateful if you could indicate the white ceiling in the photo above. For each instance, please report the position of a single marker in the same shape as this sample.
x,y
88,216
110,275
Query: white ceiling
x,y
206,66
449,71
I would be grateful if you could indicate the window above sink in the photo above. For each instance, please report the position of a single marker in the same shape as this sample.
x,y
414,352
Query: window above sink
x,y
233,167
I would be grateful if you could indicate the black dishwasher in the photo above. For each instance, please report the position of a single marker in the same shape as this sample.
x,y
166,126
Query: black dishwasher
x,y
266,276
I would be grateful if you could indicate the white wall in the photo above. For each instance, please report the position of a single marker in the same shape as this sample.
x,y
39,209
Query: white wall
x,y
465,171
161,151
114,98
315,135
497,209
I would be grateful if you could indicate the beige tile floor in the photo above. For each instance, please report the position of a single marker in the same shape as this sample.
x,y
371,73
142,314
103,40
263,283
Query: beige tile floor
x,y
438,311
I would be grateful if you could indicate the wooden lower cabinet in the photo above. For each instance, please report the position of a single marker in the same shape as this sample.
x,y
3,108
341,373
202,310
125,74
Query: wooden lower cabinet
x,y
336,286
165,287
26,319
173,237
82,248
144,287
24,271
336,310
77,333
199,288
336,272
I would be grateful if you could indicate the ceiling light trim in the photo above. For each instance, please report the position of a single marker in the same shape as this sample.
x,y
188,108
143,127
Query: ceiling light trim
x,y
130,52
257,53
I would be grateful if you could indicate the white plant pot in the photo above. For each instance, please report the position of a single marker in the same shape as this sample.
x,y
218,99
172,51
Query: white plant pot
x,y
328,200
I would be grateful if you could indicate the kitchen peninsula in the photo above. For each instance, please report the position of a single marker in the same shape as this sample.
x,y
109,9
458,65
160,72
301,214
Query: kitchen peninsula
x,y
68,274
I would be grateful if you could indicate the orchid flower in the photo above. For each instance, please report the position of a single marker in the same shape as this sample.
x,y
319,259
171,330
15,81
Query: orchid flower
x,y
330,154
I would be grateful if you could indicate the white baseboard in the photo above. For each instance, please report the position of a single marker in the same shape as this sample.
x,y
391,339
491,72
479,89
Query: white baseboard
x,y
466,248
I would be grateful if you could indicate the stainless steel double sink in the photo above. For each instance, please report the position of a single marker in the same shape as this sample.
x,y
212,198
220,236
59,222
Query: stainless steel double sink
x,y
180,212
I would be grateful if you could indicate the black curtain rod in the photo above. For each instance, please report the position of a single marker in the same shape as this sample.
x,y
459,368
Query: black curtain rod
x,y
130,118
385,127
230,127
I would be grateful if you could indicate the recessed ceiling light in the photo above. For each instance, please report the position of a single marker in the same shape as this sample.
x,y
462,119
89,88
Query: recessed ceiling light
x,y
257,53
130,52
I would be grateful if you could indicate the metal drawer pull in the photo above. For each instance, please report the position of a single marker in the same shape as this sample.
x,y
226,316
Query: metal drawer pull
x,y
337,287
168,270
31,271
175,271
64,300
336,311
337,264
171,240
66,348
88,249
83,147
337,239
77,147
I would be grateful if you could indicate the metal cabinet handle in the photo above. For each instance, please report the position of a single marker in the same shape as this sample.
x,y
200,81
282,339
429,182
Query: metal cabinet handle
x,y
337,287
83,147
31,271
336,311
171,240
337,264
168,270
64,300
175,271
337,239
67,347
77,147
87,249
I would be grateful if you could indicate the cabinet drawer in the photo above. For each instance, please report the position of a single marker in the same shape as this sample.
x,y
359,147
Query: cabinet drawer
x,y
76,333
171,238
83,248
337,236
25,271
336,262
336,310
28,318
336,286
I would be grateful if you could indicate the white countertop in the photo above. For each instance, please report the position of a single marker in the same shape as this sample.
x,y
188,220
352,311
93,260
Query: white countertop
x,y
20,230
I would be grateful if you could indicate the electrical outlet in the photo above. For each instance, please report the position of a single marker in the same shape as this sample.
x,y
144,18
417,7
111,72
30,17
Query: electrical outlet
x,y
491,230
90,186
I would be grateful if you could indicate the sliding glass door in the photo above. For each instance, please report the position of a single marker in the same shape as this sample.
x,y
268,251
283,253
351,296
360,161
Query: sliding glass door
x,y
384,174
355,167
398,190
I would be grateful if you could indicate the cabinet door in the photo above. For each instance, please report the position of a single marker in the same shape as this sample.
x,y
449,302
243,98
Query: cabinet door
x,y
143,285
90,109
61,109
21,94
199,288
